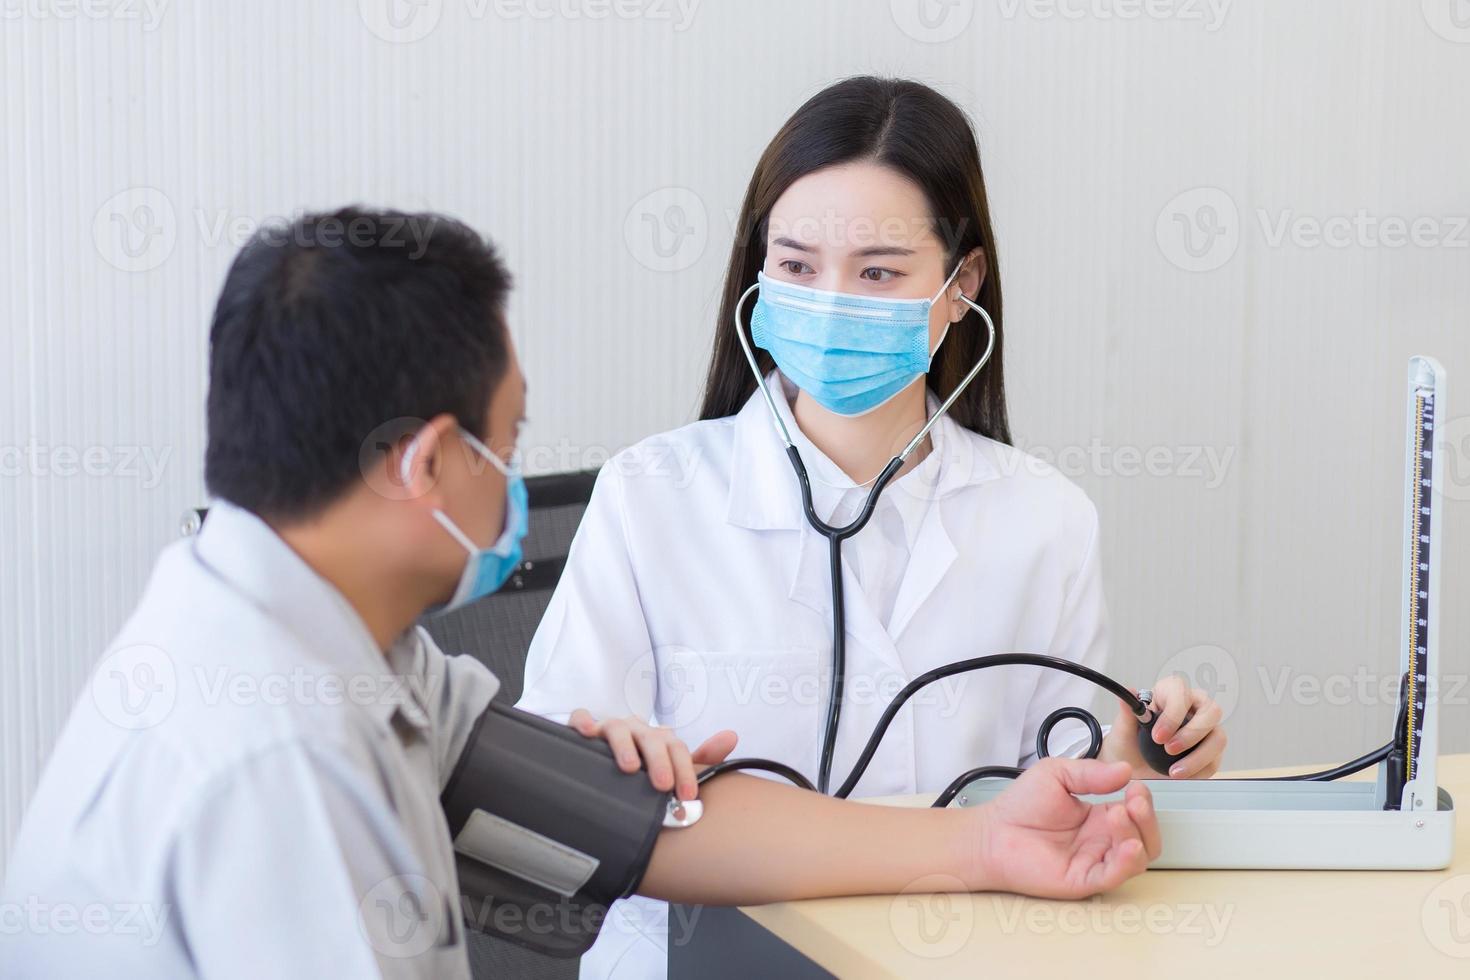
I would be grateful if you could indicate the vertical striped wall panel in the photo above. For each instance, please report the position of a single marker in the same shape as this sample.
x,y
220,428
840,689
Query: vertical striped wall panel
x,y
1266,373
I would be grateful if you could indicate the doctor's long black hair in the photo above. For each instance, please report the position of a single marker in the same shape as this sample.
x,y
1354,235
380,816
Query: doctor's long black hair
x,y
919,133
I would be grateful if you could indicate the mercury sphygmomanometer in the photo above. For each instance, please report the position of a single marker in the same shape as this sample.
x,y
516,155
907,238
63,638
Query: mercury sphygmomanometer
x,y
545,824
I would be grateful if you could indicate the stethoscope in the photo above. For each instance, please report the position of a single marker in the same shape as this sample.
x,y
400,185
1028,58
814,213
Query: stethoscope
x,y
835,535
1139,704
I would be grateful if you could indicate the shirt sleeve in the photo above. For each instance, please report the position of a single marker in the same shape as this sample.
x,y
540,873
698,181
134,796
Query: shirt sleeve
x,y
592,648
1082,637
292,866
461,688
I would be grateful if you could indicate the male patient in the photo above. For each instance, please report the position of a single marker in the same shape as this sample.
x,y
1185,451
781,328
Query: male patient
x,y
252,777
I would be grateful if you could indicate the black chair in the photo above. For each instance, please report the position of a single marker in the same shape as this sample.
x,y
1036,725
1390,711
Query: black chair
x,y
497,631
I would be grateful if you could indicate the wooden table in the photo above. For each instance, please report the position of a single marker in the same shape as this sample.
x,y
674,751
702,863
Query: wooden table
x,y
1187,924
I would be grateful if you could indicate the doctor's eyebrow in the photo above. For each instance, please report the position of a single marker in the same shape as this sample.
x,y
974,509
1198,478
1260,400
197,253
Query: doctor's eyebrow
x,y
868,252
785,242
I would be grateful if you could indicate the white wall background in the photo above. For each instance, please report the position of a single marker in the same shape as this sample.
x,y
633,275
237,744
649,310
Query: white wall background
x,y
141,145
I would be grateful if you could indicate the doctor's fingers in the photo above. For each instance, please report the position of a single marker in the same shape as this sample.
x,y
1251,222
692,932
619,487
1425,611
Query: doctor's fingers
x,y
619,737
1207,716
1204,761
685,786
716,748
662,756
636,744
585,724
1172,700
617,733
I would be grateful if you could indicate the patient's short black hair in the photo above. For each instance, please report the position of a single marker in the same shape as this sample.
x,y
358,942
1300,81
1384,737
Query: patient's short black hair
x,y
333,326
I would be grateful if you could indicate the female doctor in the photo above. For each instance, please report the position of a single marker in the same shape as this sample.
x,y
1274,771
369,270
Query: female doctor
x,y
697,597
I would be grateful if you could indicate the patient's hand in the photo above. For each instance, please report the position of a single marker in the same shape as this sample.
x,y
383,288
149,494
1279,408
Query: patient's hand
x,y
1038,839
669,762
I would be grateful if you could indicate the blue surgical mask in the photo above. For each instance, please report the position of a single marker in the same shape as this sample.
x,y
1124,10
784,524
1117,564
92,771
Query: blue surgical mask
x,y
487,569
851,353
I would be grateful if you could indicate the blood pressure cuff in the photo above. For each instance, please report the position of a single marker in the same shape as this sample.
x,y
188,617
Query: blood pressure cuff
x,y
547,831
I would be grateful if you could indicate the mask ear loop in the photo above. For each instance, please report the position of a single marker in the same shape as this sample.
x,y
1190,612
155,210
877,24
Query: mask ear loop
x,y
936,297
405,462
405,468
506,469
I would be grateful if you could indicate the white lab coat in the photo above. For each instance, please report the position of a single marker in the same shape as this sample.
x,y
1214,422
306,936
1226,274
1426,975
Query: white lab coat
x,y
696,594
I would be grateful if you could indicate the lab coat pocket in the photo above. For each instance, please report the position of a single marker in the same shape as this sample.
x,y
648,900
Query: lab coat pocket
x,y
770,696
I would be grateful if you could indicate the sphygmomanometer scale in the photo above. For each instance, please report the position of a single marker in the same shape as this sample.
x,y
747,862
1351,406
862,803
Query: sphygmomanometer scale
x,y
1403,820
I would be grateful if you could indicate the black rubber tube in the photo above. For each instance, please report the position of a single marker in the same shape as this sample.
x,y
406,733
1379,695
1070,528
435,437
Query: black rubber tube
x,y
980,663
835,536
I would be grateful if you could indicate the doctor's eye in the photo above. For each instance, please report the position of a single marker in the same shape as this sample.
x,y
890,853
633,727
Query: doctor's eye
x,y
795,267
874,273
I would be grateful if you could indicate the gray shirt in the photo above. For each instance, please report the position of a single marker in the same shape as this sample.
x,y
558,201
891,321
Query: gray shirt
x,y
247,786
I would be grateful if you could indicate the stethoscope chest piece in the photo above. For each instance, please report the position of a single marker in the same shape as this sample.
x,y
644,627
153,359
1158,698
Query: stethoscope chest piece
x,y
683,813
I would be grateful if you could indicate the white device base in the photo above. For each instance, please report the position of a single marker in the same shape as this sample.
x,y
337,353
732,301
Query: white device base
x,y
1239,823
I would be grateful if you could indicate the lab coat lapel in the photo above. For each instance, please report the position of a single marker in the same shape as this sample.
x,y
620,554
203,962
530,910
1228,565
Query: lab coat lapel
x,y
933,554
811,586
954,465
764,493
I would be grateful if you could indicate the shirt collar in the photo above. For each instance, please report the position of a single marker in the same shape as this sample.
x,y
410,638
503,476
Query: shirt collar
x,y
764,492
251,557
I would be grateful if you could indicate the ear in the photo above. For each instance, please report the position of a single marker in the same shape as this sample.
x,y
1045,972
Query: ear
x,y
417,461
973,269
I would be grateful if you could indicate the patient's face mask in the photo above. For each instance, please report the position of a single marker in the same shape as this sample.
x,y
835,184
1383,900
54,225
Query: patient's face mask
x,y
487,569
851,353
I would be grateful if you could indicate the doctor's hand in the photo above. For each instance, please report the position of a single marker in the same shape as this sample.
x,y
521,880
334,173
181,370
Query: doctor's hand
x,y
1191,719
669,762
1038,839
